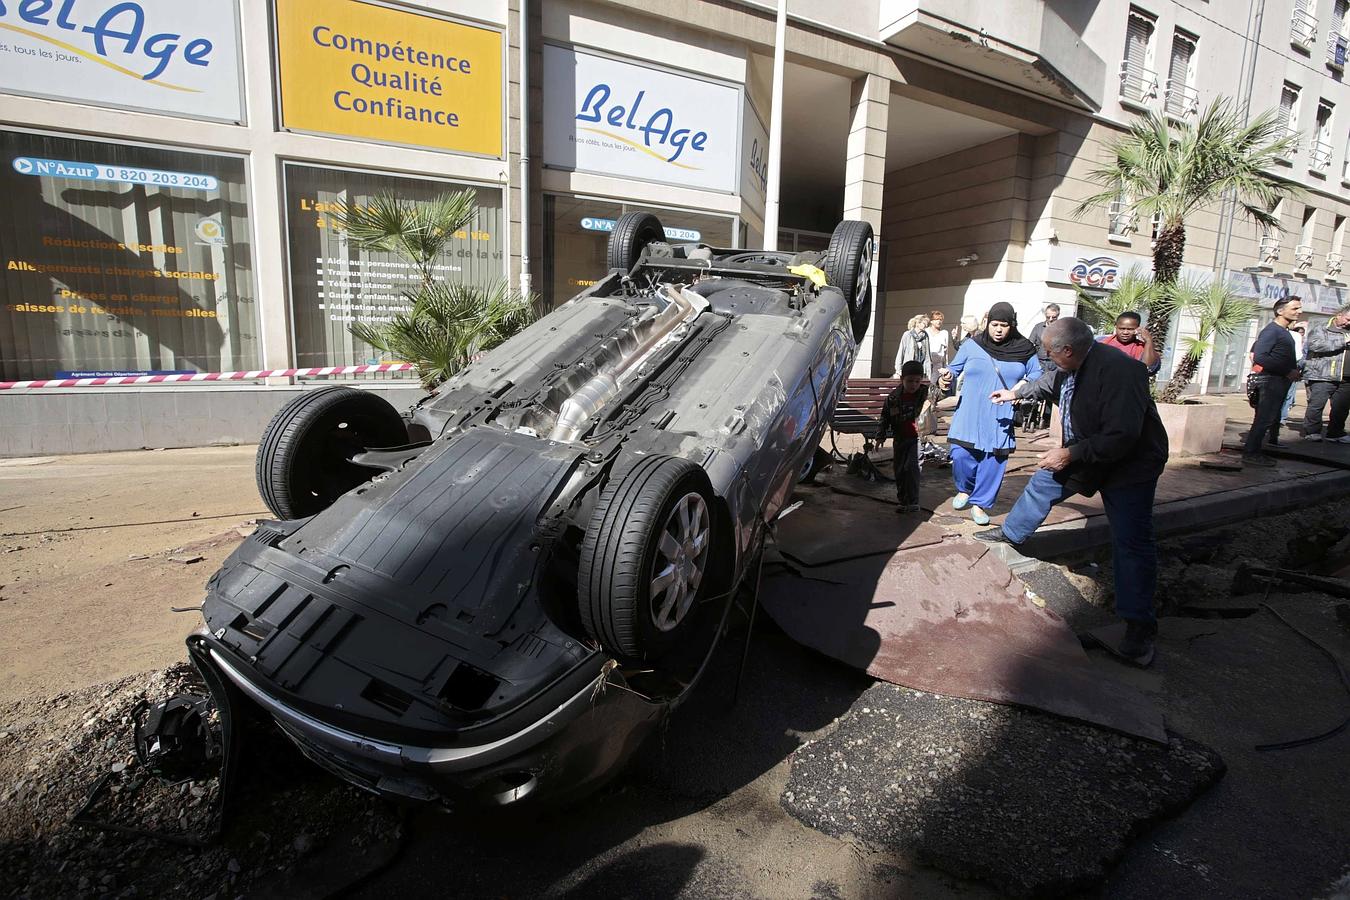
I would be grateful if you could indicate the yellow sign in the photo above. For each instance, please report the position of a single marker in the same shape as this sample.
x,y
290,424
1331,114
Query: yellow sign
x,y
370,71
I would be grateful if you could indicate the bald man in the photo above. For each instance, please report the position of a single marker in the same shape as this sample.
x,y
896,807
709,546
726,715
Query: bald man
x,y
1113,442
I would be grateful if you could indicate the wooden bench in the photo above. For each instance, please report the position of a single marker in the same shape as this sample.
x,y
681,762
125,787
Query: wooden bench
x,y
859,410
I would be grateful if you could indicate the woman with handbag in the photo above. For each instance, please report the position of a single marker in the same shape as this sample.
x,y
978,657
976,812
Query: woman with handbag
x,y
983,433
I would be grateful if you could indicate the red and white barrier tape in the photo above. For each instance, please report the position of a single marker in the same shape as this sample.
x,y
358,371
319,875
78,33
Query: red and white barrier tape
x,y
202,376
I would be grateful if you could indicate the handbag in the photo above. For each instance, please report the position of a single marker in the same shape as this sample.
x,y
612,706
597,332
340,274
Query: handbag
x,y
1253,392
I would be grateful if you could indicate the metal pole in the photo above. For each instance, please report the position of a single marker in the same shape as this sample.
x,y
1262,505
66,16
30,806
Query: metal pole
x,y
1256,14
775,132
524,150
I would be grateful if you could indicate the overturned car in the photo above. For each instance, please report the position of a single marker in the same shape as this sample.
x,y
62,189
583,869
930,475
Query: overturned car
x,y
496,596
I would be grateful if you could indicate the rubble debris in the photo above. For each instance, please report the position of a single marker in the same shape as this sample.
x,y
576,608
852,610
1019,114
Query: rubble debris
x,y
187,560
56,749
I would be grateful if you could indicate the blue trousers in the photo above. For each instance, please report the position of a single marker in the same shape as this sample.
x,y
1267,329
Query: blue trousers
x,y
978,474
1129,510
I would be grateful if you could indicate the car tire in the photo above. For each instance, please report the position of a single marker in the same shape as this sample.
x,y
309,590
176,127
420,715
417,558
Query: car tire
x,y
633,232
848,266
818,462
303,457
646,558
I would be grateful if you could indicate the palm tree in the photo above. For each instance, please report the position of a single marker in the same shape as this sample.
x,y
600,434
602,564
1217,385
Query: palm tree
x,y
1171,171
1219,313
449,324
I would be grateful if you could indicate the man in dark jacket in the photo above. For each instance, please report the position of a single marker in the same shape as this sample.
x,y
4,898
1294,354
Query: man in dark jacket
x,y
1325,354
1277,358
1114,442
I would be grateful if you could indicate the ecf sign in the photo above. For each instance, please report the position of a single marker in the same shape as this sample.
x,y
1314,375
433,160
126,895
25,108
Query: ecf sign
x,y
1098,272
163,56
610,117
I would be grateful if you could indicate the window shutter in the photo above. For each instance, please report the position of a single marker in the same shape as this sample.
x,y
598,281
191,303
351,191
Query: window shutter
x,y
1179,73
1136,42
1338,17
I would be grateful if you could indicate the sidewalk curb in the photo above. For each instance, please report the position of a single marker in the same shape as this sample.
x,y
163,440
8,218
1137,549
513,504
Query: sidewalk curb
x,y
1197,513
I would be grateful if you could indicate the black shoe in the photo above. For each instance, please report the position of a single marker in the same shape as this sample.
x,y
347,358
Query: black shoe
x,y
994,535
1137,645
1258,459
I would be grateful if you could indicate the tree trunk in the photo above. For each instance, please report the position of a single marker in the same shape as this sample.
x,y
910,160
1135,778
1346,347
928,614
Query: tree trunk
x,y
1181,377
1167,254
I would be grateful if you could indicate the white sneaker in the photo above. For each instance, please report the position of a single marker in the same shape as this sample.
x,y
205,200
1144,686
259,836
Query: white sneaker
x,y
1313,437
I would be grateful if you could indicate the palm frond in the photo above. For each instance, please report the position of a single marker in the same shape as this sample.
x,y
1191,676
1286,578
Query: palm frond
x,y
1176,170
448,325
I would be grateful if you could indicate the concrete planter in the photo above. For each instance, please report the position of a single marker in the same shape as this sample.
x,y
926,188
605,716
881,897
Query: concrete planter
x,y
1194,427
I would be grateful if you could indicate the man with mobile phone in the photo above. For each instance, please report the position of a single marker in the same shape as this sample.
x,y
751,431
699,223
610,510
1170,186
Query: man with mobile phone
x,y
1134,341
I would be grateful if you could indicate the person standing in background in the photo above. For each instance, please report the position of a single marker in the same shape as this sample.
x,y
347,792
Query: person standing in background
x,y
1133,341
1041,412
1296,331
939,341
914,347
1326,352
1275,365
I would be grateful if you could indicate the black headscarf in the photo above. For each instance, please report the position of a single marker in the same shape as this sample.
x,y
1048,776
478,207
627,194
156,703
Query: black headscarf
x,y
1014,347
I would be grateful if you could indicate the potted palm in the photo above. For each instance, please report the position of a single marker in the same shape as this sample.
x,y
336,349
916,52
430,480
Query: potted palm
x,y
1195,425
449,324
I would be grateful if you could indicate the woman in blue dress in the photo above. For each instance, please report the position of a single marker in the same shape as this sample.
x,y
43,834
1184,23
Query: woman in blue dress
x,y
981,434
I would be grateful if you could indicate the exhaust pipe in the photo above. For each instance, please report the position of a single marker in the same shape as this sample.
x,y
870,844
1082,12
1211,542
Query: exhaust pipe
x,y
682,306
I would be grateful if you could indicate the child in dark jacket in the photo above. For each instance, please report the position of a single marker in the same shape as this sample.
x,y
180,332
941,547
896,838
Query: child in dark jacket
x,y
898,415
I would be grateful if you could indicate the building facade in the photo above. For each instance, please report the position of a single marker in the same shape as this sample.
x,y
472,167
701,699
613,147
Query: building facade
x,y
170,173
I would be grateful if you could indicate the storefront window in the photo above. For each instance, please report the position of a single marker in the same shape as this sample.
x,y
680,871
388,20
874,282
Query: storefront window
x,y
123,259
334,284
576,233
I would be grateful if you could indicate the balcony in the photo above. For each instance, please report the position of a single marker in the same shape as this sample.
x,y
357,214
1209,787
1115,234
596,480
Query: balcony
x,y
1319,157
1270,249
1303,257
1138,86
1338,47
1180,100
1303,30
1031,45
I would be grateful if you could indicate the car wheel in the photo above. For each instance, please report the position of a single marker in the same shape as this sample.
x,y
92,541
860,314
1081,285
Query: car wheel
x,y
848,266
813,466
646,557
633,231
303,458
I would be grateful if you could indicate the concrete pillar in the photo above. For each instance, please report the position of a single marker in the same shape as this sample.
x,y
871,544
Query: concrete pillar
x,y
864,179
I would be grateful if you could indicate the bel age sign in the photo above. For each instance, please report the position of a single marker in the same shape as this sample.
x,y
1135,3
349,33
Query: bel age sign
x,y
162,56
